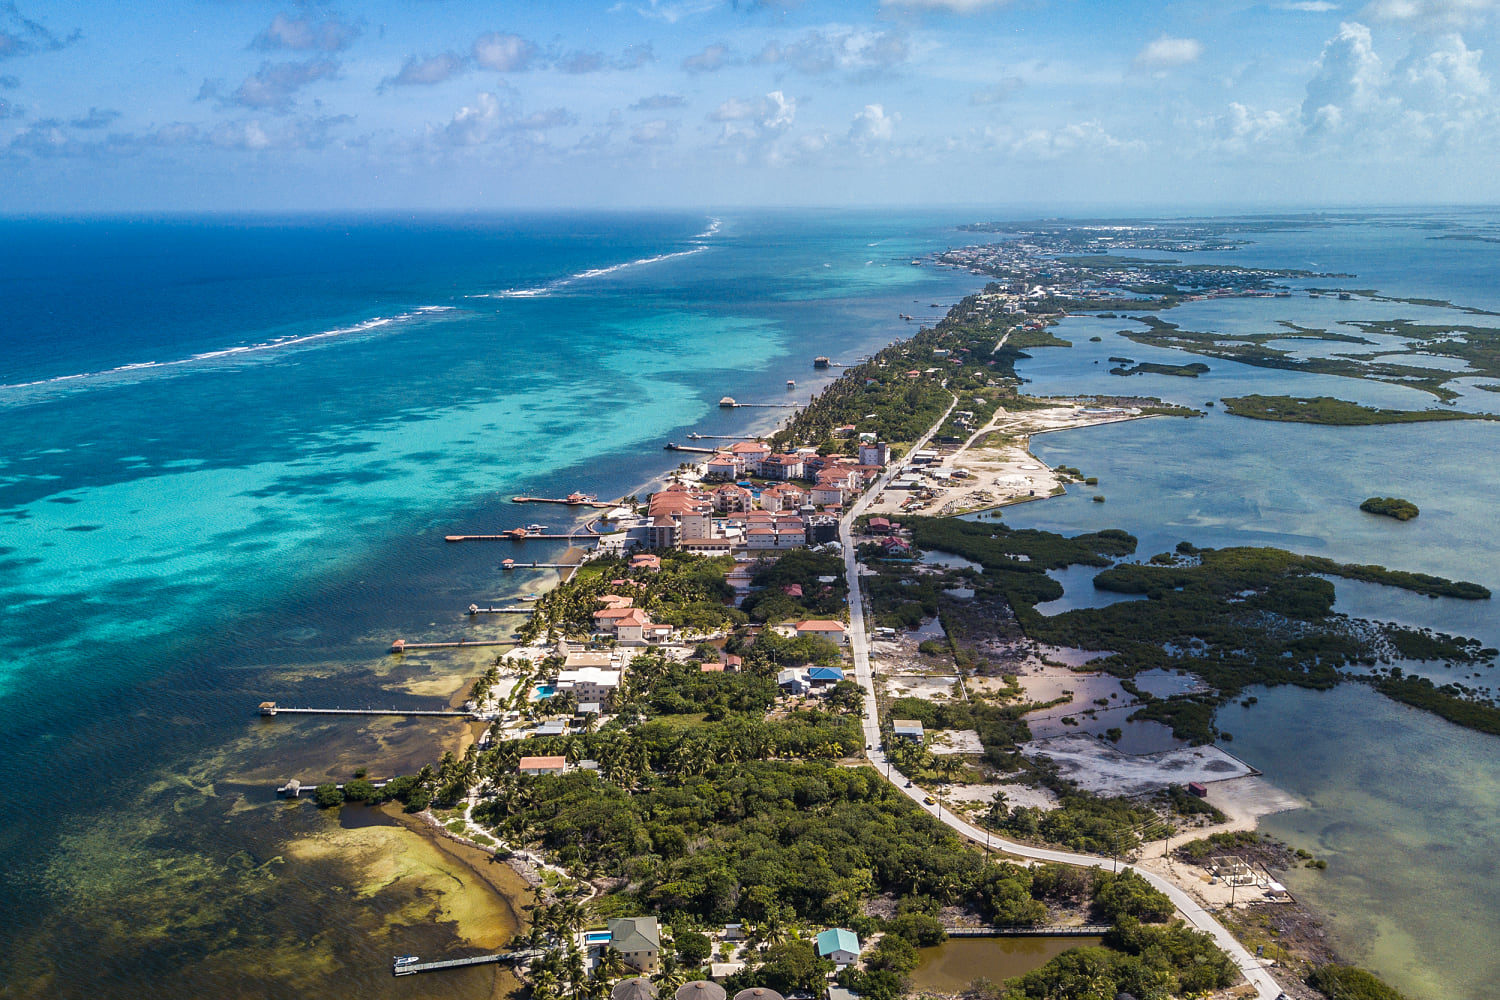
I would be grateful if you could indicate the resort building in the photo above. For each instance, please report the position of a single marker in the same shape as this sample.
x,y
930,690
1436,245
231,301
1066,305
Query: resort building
x,y
638,941
590,685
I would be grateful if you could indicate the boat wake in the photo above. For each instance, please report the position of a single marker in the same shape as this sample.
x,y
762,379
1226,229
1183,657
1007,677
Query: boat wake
x,y
540,291
15,391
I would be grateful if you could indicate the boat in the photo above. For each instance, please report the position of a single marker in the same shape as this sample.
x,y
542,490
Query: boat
x,y
790,384
915,262
403,960
1344,296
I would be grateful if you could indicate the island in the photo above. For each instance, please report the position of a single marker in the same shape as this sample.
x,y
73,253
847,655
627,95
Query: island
x,y
1401,510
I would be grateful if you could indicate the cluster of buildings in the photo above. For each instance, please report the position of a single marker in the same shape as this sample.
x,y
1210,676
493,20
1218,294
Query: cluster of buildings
x,y
638,942
1033,270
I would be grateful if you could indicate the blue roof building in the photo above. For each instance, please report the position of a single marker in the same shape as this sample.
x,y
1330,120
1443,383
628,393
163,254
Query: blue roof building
x,y
818,676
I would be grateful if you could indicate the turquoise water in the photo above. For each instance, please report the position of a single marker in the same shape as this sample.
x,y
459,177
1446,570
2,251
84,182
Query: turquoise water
x,y
229,452
1400,802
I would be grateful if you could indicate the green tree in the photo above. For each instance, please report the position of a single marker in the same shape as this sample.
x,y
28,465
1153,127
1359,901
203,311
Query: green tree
x,y
327,796
693,948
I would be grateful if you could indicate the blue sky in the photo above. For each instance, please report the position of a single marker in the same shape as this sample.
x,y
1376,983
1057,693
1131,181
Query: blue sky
x,y
445,104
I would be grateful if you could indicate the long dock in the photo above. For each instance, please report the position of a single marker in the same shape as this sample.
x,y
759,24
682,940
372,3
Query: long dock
x,y
509,609
510,536
723,437
273,709
401,645
567,501
1048,930
674,446
512,564
458,963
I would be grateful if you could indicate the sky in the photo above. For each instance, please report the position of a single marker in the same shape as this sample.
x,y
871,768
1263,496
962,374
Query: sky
x,y
225,105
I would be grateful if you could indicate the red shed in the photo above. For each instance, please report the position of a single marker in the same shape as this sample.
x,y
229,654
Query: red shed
x,y
1198,788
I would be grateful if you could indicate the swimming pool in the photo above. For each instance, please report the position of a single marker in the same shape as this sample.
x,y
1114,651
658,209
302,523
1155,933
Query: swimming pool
x,y
545,691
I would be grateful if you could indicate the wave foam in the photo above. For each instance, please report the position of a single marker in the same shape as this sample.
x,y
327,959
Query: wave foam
x,y
230,352
540,291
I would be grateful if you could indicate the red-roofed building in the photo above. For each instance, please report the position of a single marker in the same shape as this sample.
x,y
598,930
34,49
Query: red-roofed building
x,y
723,466
879,526
711,668
730,498
831,630
781,467
645,561
542,765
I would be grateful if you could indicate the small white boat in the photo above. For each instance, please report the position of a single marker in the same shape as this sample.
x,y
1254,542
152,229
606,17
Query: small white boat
x,y
402,960
790,384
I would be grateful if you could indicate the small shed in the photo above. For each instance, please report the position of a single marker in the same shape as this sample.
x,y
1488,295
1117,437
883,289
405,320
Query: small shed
x,y
1198,788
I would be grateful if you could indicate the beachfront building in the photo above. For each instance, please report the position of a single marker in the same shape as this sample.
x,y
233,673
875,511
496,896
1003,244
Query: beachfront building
x,y
782,467
723,466
750,453
542,765
732,498
638,941
590,685
830,630
839,946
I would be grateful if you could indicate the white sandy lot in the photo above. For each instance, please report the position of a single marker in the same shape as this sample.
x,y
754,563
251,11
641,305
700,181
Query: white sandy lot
x,y
1099,767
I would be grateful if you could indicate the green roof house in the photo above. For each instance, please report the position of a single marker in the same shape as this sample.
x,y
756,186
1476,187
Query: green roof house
x,y
839,946
637,940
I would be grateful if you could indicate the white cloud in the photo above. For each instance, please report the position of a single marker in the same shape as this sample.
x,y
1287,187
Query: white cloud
x,y
302,34
428,71
846,49
712,59
659,102
873,125
1089,136
1168,52
504,53
657,132
1433,13
1348,80
1309,6
275,85
957,6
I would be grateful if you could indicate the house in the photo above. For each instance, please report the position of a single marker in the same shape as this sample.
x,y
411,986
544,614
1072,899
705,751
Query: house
x,y
573,661
879,526
551,727
609,619
633,627
833,631
638,941
824,677
733,663
645,561
792,681
907,729
542,765
656,632
839,946
750,453
610,601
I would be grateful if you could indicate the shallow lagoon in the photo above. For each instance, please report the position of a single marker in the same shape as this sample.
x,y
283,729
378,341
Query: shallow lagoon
x,y
1402,803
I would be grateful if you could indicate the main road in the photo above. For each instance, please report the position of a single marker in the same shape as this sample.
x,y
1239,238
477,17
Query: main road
x,y
1253,970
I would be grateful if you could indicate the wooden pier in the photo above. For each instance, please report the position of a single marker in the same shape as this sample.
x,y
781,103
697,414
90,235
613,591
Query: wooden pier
x,y
401,645
511,536
723,437
510,564
1046,930
575,500
674,446
509,609
459,963
270,708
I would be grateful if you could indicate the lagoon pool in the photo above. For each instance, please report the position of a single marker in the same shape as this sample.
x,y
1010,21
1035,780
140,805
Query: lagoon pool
x,y
544,691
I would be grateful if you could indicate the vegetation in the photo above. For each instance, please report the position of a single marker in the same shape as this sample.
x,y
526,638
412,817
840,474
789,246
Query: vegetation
x,y
689,592
1192,370
1144,961
1401,510
1446,701
1334,412
1345,982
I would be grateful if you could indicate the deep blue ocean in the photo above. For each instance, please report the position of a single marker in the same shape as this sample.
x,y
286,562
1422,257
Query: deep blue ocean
x,y
230,449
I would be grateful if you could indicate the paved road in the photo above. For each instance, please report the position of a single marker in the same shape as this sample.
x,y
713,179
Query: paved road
x,y
1196,915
